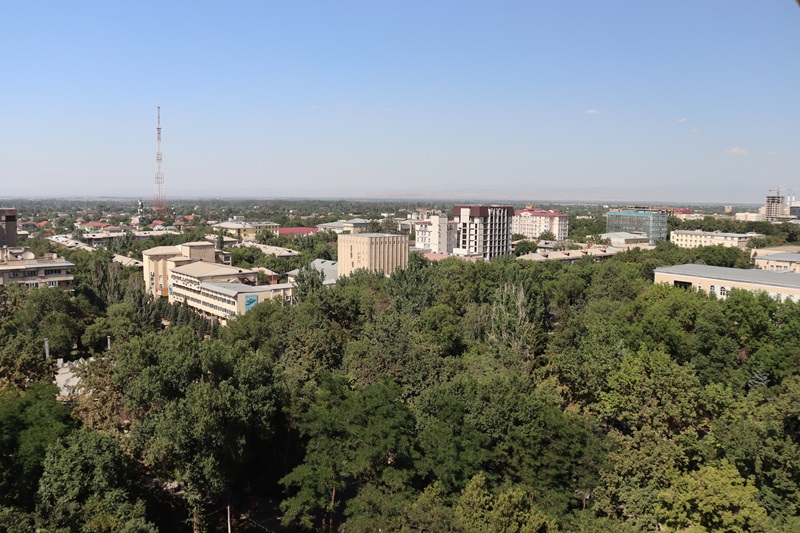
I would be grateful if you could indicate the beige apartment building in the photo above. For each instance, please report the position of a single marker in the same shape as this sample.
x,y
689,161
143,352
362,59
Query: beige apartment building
x,y
695,238
213,289
188,273
720,280
375,252
781,262
532,222
352,226
160,260
245,231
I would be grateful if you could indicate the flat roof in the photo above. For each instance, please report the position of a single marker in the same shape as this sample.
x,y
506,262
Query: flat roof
x,y
162,250
779,257
25,263
204,268
372,235
715,233
754,275
623,235
234,289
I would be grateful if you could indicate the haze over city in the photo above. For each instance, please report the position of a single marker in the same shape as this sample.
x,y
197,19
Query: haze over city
x,y
680,101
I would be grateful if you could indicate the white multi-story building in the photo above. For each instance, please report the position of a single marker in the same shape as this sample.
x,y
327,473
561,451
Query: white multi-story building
x,y
695,238
483,230
437,234
749,217
533,222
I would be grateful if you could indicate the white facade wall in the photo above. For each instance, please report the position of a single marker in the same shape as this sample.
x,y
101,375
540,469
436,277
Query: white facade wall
x,y
533,223
693,239
437,235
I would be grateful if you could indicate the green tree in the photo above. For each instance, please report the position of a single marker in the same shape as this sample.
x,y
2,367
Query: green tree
x,y
86,484
308,281
30,421
511,510
713,498
358,440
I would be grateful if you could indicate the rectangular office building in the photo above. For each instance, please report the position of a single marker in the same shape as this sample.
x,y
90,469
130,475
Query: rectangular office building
x,y
649,222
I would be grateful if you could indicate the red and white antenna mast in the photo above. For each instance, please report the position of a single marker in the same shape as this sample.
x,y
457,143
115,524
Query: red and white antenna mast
x,y
159,201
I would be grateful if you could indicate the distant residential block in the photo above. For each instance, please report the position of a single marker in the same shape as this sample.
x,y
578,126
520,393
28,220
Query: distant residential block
x,y
375,252
695,238
436,234
533,222
245,231
352,226
750,217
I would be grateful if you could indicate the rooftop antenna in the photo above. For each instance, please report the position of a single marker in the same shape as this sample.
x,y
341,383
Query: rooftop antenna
x,y
159,201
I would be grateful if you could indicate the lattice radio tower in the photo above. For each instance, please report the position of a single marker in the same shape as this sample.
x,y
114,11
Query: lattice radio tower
x,y
159,200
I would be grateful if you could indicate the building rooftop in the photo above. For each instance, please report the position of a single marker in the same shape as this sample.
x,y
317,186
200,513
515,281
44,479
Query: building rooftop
x,y
478,210
339,224
571,255
718,233
741,275
199,269
162,250
128,261
776,249
329,268
788,257
233,289
372,235
297,231
540,212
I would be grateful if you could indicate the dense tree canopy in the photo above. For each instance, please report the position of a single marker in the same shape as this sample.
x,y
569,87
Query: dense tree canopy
x,y
452,396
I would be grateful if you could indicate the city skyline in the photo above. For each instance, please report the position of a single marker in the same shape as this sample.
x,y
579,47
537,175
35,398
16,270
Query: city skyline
x,y
622,101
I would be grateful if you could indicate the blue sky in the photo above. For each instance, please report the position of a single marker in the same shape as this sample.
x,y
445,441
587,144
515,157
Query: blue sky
x,y
688,100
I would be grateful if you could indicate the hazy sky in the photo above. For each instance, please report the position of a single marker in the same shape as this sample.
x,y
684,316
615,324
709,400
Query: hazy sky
x,y
555,99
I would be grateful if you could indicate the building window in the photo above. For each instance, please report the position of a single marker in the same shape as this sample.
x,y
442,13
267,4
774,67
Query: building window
x,y
722,291
711,289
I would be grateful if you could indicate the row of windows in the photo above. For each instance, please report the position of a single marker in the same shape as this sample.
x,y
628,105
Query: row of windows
x,y
34,284
207,294
202,303
722,290
33,273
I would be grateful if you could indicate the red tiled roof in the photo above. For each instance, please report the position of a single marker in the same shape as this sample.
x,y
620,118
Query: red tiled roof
x,y
96,224
297,231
